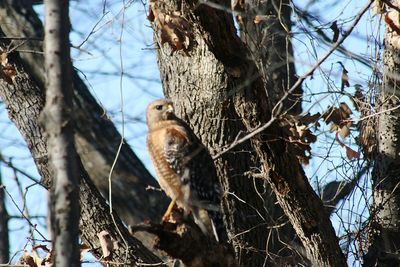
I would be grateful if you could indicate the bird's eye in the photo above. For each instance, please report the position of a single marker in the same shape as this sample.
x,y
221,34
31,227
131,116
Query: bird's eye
x,y
159,107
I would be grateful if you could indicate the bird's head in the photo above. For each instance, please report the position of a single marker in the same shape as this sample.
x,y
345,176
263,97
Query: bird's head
x,y
159,110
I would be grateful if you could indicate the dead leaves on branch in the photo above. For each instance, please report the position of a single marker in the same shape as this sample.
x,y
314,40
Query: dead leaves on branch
x,y
300,136
298,131
33,259
366,127
350,153
7,71
172,27
340,121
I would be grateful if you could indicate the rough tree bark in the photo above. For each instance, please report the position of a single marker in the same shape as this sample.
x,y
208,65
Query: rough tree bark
x,y
270,47
25,100
57,121
385,214
96,137
218,90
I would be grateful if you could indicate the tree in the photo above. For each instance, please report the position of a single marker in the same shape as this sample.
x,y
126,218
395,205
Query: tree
x,y
56,119
386,202
242,97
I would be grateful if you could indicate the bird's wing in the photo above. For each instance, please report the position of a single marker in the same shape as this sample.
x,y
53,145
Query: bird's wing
x,y
190,160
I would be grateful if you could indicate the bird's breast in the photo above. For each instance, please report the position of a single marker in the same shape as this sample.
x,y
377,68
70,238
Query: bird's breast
x,y
167,178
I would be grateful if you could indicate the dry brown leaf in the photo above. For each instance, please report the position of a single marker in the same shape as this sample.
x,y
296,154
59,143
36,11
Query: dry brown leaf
x,y
378,7
299,136
339,119
47,260
301,130
351,154
337,115
393,21
308,118
83,249
28,259
172,27
106,244
344,131
7,71
358,98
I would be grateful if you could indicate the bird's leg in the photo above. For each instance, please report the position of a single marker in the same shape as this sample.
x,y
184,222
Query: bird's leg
x,y
168,212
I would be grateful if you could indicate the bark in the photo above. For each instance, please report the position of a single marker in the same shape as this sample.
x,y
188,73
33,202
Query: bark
x,y
385,214
95,218
4,238
270,47
183,239
56,118
218,90
25,100
96,137
198,86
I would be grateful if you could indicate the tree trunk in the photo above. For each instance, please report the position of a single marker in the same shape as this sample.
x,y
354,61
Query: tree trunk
x,y
385,214
56,118
24,101
219,91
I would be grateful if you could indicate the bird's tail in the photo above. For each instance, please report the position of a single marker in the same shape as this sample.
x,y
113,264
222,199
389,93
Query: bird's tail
x,y
211,223
217,224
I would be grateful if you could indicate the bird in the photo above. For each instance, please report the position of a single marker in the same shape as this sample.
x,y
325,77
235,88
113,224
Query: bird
x,y
185,169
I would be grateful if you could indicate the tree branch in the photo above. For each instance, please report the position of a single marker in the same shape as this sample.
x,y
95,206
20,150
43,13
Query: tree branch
x,y
56,118
182,239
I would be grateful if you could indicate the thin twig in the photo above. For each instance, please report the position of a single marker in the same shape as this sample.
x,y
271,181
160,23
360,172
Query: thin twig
x,y
27,175
92,31
22,213
122,133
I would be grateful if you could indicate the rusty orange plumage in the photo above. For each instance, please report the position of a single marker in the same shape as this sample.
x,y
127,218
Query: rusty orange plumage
x,y
184,167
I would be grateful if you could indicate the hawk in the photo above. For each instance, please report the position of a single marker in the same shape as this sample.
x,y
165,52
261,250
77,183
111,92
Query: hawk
x,y
184,167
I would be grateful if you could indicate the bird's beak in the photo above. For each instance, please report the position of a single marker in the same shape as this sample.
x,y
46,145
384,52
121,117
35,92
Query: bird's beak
x,y
170,108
